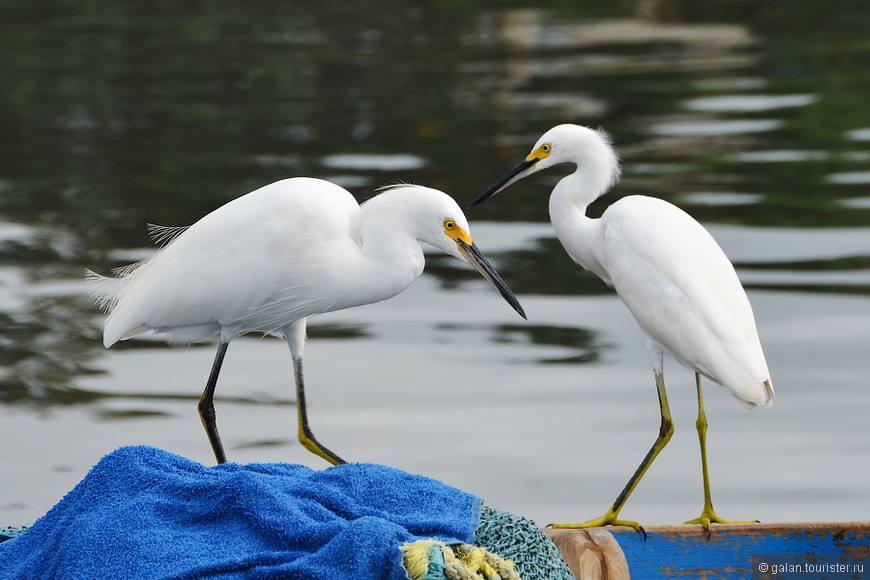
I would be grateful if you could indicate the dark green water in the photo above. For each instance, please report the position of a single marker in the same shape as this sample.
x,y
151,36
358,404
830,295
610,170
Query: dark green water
x,y
753,116
117,114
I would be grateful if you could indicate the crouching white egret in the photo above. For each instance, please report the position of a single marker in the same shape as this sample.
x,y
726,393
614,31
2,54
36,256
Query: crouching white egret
x,y
268,260
677,282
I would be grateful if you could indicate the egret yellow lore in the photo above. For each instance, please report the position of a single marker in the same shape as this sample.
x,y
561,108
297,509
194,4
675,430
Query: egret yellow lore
x,y
669,272
268,260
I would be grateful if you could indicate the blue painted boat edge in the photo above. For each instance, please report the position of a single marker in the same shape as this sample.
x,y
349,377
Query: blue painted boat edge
x,y
737,550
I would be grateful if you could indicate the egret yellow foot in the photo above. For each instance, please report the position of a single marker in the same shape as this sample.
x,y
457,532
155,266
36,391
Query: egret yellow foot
x,y
608,519
708,517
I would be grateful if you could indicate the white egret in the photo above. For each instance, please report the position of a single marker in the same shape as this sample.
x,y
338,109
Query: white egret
x,y
677,282
268,260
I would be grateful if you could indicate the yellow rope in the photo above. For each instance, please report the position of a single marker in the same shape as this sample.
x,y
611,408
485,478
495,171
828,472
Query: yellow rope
x,y
433,560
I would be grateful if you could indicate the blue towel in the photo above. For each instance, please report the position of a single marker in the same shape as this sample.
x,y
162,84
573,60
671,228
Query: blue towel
x,y
146,513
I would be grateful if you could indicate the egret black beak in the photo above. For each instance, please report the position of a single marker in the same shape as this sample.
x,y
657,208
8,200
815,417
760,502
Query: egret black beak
x,y
509,178
476,259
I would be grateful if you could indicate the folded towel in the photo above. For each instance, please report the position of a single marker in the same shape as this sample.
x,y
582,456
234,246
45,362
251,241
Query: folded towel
x,y
146,513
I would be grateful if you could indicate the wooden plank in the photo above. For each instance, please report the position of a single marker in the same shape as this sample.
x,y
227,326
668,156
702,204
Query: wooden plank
x,y
731,551
592,553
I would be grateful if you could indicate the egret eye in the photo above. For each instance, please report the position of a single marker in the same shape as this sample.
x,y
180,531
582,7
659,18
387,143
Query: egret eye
x,y
449,224
546,147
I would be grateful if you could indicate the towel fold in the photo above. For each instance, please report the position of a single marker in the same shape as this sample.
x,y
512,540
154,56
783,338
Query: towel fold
x,y
146,513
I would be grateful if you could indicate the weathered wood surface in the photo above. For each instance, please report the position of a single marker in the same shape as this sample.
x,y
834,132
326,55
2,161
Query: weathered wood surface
x,y
732,551
591,554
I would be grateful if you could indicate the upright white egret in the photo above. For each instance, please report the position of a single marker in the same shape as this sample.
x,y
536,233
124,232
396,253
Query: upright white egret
x,y
676,281
268,260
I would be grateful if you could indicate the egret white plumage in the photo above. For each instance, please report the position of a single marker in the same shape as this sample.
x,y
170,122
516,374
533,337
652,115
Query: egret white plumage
x,y
270,259
671,274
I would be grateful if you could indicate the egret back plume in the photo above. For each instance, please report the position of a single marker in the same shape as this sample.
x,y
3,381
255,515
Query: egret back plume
x,y
164,235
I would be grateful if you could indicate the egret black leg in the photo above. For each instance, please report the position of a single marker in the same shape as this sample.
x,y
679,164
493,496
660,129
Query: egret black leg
x,y
206,405
666,431
306,437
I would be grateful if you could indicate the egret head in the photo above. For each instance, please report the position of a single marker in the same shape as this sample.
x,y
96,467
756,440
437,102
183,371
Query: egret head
x,y
438,221
589,148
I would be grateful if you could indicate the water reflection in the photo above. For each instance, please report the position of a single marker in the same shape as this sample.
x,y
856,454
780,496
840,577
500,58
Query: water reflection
x,y
748,103
585,345
185,111
752,117
43,347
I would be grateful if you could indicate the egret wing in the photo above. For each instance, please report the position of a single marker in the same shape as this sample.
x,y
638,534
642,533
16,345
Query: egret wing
x,y
220,271
683,292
